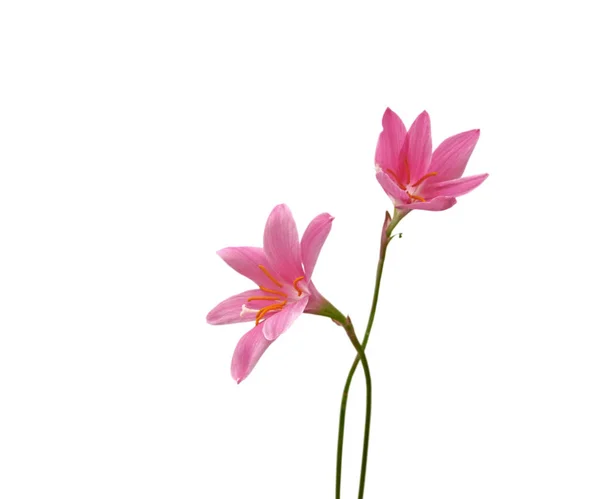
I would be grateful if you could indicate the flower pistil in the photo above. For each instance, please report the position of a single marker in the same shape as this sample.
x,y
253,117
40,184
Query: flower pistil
x,y
278,296
412,187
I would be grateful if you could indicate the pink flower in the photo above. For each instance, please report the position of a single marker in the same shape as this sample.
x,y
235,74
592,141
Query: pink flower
x,y
282,270
411,176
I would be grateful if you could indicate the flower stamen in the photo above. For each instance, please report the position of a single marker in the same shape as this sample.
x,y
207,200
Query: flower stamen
x,y
417,198
400,184
423,178
269,308
268,274
267,290
416,184
264,298
296,281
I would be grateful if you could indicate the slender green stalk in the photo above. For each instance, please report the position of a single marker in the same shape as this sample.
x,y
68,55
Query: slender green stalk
x,y
365,365
389,226
330,311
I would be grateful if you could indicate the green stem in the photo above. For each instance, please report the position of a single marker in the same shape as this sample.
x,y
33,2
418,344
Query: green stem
x,y
385,240
330,311
363,359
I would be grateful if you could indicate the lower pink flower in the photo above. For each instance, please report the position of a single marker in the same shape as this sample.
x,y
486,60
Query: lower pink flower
x,y
282,271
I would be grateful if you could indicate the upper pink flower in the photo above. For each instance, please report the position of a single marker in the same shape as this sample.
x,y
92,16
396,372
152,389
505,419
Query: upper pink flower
x,y
412,177
282,270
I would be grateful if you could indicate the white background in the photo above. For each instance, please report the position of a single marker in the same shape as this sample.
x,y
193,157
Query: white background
x,y
137,138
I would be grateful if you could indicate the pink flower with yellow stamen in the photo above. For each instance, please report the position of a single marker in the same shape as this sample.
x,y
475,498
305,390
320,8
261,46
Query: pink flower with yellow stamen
x,y
411,176
282,270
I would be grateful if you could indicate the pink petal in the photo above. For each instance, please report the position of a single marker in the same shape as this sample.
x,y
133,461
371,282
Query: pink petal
x,y
450,158
279,322
229,310
245,260
390,141
437,204
456,187
281,244
315,300
390,187
312,241
248,351
419,147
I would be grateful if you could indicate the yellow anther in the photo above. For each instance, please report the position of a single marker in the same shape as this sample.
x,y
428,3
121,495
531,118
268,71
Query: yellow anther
x,y
296,281
265,298
395,177
417,198
275,292
423,178
268,274
269,308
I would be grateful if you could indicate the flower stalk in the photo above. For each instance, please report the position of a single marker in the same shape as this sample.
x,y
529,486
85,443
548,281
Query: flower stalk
x,y
388,226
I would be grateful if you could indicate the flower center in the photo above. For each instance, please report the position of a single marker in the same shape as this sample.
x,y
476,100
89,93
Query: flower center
x,y
409,188
278,296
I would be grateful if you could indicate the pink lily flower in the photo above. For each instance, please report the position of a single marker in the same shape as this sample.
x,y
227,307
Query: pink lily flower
x,y
282,272
411,176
